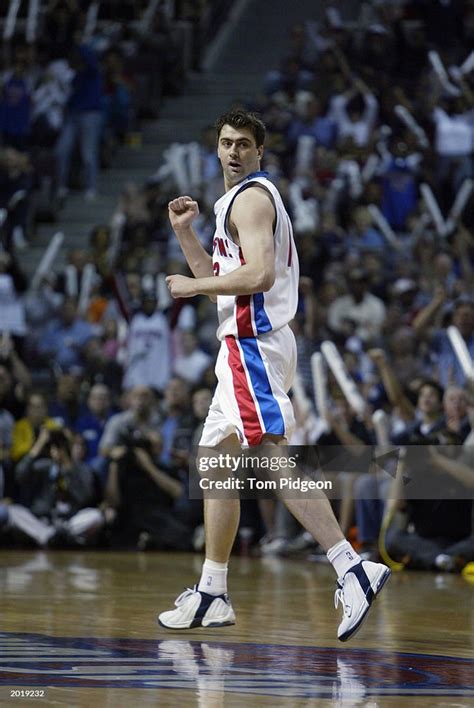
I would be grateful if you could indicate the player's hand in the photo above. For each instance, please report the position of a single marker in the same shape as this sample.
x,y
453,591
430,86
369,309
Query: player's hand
x,y
182,212
181,286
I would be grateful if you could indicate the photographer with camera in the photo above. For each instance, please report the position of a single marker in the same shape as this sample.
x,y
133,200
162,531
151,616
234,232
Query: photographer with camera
x,y
56,494
141,492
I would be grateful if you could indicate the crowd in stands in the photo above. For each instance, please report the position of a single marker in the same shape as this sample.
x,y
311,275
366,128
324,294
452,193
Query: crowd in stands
x,y
386,267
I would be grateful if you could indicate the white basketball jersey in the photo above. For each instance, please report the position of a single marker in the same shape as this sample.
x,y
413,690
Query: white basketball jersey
x,y
251,315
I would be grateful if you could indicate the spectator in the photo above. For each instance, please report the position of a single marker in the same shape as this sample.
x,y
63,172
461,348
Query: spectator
x,y
142,492
65,337
91,425
177,425
445,362
15,103
191,363
354,113
83,119
67,407
58,495
26,430
12,284
149,353
99,368
16,181
201,399
311,121
141,419
117,97
359,312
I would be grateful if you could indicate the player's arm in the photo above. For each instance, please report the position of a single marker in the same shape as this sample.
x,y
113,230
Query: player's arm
x,y
252,218
182,212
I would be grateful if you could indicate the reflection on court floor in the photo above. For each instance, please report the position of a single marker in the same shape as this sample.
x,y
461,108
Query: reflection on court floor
x,y
82,626
229,667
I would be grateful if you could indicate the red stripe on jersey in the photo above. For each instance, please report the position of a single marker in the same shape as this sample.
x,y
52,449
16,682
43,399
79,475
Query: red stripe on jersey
x,y
243,316
247,409
243,313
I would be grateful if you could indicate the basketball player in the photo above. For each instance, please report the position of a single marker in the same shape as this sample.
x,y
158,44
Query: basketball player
x,y
253,275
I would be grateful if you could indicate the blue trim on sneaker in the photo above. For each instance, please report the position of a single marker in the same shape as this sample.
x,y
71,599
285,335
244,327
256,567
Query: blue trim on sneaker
x,y
206,602
371,594
364,581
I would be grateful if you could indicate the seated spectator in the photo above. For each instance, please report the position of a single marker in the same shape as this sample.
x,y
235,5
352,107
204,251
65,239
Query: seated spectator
x,y
201,399
399,186
191,363
289,79
12,284
16,182
141,419
345,429
177,425
91,424
57,494
15,377
65,337
435,534
455,406
311,121
69,281
142,492
446,364
359,312
371,490
67,407
453,143
42,304
7,423
362,235
26,430
149,347
100,368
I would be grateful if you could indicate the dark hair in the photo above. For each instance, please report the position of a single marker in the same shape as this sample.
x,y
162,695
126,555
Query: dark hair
x,y
242,119
59,438
432,384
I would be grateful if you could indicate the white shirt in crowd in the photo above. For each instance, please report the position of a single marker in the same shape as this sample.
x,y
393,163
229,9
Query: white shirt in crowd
x,y
191,367
359,130
454,135
369,315
148,352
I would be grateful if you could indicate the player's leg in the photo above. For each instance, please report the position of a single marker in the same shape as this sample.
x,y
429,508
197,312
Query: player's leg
x,y
207,603
359,581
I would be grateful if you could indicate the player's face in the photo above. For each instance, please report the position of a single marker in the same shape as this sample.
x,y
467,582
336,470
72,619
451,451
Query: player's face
x,y
238,153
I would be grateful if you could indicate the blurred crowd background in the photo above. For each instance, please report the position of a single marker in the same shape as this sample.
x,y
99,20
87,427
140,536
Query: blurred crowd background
x,y
105,382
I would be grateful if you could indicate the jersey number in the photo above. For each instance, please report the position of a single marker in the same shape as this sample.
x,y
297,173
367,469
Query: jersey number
x,y
216,268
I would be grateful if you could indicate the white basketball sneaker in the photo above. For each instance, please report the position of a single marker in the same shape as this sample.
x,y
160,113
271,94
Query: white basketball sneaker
x,y
195,608
356,592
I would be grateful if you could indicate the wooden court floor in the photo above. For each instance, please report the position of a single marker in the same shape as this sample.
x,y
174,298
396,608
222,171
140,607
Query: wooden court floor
x,y
79,629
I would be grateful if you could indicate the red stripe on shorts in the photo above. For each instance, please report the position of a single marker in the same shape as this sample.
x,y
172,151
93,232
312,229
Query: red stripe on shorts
x,y
248,412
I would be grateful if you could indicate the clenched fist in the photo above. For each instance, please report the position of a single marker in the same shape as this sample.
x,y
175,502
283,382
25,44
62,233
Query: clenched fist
x,y
182,212
181,286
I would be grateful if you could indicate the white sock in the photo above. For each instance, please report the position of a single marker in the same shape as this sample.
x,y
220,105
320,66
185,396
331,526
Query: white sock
x,y
213,578
342,556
